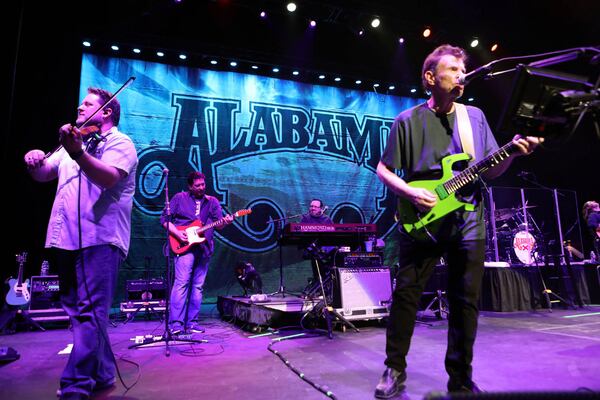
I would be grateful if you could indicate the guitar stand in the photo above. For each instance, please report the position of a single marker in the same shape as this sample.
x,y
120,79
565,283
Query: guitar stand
x,y
29,321
547,293
326,310
439,299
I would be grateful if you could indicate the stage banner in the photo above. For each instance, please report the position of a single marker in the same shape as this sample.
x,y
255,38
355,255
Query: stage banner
x,y
264,143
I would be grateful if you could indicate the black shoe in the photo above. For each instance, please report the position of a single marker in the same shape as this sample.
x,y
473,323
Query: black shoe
x,y
470,387
390,384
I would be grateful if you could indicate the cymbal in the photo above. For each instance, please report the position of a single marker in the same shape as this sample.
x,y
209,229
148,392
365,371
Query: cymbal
x,y
504,214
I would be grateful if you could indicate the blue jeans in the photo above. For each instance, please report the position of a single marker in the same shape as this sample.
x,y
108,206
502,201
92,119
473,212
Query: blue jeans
x,y
186,297
87,284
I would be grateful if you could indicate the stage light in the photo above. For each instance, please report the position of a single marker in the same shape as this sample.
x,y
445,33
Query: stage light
x,y
494,47
471,99
160,54
137,51
275,69
474,43
376,85
263,14
337,79
391,87
361,32
291,7
248,277
313,23
182,56
233,64
114,47
401,40
254,67
413,90
295,73
375,22
86,44
213,62
427,32
321,76
358,81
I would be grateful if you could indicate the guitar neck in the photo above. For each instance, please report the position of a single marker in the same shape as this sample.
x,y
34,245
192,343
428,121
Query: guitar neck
x,y
473,172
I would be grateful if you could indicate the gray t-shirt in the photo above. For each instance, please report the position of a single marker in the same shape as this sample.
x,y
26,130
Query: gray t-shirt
x,y
418,141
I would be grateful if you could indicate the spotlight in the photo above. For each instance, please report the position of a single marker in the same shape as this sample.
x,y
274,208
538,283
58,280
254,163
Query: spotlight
x,y
391,87
263,14
86,44
427,32
401,40
358,81
247,277
275,69
474,43
375,22
376,85
295,73
160,54
182,56
470,99
213,62
137,51
114,47
361,32
233,64
413,90
313,23
291,7
254,67
321,76
494,47
337,79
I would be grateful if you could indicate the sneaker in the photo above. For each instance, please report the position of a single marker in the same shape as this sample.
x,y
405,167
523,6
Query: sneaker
x,y
175,331
390,384
195,328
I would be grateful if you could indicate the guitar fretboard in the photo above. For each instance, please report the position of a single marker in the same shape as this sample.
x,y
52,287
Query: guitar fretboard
x,y
471,173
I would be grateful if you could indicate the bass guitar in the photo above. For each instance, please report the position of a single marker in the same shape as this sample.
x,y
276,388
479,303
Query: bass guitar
x,y
195,233
18,291
415,222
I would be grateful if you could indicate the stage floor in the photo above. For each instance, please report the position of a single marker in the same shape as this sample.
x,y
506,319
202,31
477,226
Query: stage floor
x,y
521,351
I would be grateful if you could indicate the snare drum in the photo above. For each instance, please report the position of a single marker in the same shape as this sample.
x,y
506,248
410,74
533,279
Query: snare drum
x,y
524,247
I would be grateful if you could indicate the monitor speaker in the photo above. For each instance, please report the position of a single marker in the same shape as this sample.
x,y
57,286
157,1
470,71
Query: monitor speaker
x,y
362,293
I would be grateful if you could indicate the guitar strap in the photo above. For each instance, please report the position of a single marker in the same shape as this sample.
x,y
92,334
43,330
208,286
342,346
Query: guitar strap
x,y
465,131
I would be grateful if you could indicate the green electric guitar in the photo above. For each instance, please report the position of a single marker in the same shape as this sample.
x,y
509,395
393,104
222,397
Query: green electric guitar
x,y
417,223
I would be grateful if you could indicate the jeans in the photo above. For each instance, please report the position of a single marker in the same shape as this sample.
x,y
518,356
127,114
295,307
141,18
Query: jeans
x,y
465,272
186,296
87,284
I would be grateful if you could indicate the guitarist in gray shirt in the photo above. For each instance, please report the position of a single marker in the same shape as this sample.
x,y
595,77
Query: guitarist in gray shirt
x,y
420,139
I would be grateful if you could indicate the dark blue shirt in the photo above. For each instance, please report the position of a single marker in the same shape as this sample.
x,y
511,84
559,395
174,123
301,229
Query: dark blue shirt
x,y
186,209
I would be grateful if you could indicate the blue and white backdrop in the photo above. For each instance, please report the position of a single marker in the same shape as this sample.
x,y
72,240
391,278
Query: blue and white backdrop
x,y
263,143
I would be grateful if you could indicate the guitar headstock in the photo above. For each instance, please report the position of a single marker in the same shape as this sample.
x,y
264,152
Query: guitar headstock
x,y
21,258
241,213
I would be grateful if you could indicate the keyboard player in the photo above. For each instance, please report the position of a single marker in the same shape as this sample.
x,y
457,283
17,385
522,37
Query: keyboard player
x,y
321,254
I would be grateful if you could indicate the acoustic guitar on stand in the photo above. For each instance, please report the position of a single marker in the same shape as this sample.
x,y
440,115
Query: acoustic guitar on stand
x,y
195,233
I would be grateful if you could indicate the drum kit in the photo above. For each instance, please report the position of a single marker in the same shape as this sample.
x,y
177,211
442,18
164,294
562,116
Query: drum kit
x,y
518,235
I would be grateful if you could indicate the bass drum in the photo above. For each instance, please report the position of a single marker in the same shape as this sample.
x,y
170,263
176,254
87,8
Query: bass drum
x,y
524,246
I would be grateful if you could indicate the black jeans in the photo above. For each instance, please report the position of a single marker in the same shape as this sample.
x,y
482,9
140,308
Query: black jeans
x,y
465,271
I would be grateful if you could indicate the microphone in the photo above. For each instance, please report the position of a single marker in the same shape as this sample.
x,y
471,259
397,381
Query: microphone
x,y
166,171
465,79
325,208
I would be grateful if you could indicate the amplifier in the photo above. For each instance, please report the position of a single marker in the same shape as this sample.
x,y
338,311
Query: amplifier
x,y
142,289
45,292
359,259
362,293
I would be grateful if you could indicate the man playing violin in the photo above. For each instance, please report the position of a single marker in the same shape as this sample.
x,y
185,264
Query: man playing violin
x,y
89,232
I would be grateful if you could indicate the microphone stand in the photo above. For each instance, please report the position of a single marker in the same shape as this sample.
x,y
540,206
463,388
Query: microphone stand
x,y
167,336
279,232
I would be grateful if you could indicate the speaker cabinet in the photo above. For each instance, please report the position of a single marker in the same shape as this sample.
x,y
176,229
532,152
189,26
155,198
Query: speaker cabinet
x,y
362,293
